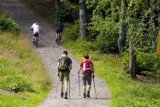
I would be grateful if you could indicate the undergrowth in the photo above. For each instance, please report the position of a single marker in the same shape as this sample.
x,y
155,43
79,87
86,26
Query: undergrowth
x,y
124,91
22,72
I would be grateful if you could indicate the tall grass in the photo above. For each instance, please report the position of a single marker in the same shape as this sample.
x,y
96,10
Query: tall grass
x,y
124,91
22,72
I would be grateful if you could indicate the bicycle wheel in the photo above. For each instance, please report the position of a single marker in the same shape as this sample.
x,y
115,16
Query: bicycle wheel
x,y
36,42
58,39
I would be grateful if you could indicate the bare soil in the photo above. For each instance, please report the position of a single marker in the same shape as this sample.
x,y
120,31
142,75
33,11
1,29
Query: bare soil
x,y
49,52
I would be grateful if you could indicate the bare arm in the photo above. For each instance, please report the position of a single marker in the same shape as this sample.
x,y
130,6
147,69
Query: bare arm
x,y
70,67
79,69
93,71
58,69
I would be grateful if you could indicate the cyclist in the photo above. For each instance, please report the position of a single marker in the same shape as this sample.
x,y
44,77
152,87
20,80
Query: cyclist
x,y
36,29
59,29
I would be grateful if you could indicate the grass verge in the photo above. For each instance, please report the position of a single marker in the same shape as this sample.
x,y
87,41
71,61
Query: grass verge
x,y
124,92
21,72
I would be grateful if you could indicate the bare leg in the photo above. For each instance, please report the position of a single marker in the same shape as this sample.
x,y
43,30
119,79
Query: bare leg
x,y
89,88
66,85
66,89
84,90
60,35
56,35
62,88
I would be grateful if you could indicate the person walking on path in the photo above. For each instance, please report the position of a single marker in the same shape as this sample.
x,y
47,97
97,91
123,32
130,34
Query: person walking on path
x,y
36,29
87,73
64,67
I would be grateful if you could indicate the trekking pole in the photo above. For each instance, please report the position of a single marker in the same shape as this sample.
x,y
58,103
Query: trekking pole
x,y
79,84
69,87
94,88
57,85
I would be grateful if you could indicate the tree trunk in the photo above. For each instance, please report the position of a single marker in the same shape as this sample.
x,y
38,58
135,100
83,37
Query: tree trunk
x,y
112,7
57,4
121,39
82,18
132,62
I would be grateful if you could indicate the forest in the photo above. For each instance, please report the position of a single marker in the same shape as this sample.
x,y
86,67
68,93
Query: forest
x,y
125,27
121,36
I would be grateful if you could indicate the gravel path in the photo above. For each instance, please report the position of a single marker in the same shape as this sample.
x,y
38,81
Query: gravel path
x,y
49,52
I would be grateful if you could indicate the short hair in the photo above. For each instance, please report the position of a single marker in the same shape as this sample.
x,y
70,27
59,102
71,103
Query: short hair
x,y
86,56
65,52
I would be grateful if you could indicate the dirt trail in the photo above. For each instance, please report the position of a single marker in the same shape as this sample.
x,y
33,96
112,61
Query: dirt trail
x,y
49,53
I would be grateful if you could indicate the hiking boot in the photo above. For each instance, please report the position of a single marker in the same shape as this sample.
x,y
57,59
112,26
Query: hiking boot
x,y
65,97
61,94
84,95
88,94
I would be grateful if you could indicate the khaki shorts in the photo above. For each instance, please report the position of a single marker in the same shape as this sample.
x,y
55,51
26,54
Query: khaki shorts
x,y
64,76
86,79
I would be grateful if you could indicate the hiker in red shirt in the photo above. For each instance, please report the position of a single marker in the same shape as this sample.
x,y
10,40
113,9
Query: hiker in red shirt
x,y
87,73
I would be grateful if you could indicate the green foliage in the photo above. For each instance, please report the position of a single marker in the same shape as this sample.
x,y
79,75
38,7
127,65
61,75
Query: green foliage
x,y
124,92
21,72
62,14
141,31
103,29
147,63
71,32
65,11
91,3
8,24
15,83
106,34
139,17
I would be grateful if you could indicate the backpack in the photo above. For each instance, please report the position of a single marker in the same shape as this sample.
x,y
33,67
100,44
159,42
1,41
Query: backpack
x,y
87,67
63,63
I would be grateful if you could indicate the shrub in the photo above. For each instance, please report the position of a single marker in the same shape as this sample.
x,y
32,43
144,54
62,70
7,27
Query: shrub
x,y
65,11
105,34
8,24
147,63
72,32
16,84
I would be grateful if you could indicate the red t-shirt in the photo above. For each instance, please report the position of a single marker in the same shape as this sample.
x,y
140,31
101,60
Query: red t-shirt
x,y
81,65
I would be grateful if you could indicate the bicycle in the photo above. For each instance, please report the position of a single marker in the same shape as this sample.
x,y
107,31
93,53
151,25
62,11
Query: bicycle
x,y
35,42
58,38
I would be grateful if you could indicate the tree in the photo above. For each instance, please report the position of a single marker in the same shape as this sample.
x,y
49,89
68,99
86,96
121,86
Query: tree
x,y
57,5
122,28
137,23
82,18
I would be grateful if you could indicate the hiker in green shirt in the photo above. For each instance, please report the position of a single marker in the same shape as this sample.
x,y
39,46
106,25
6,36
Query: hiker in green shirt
x,y
64,67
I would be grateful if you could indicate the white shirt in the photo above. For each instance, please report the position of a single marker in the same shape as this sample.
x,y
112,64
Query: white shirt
x,y
36,28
